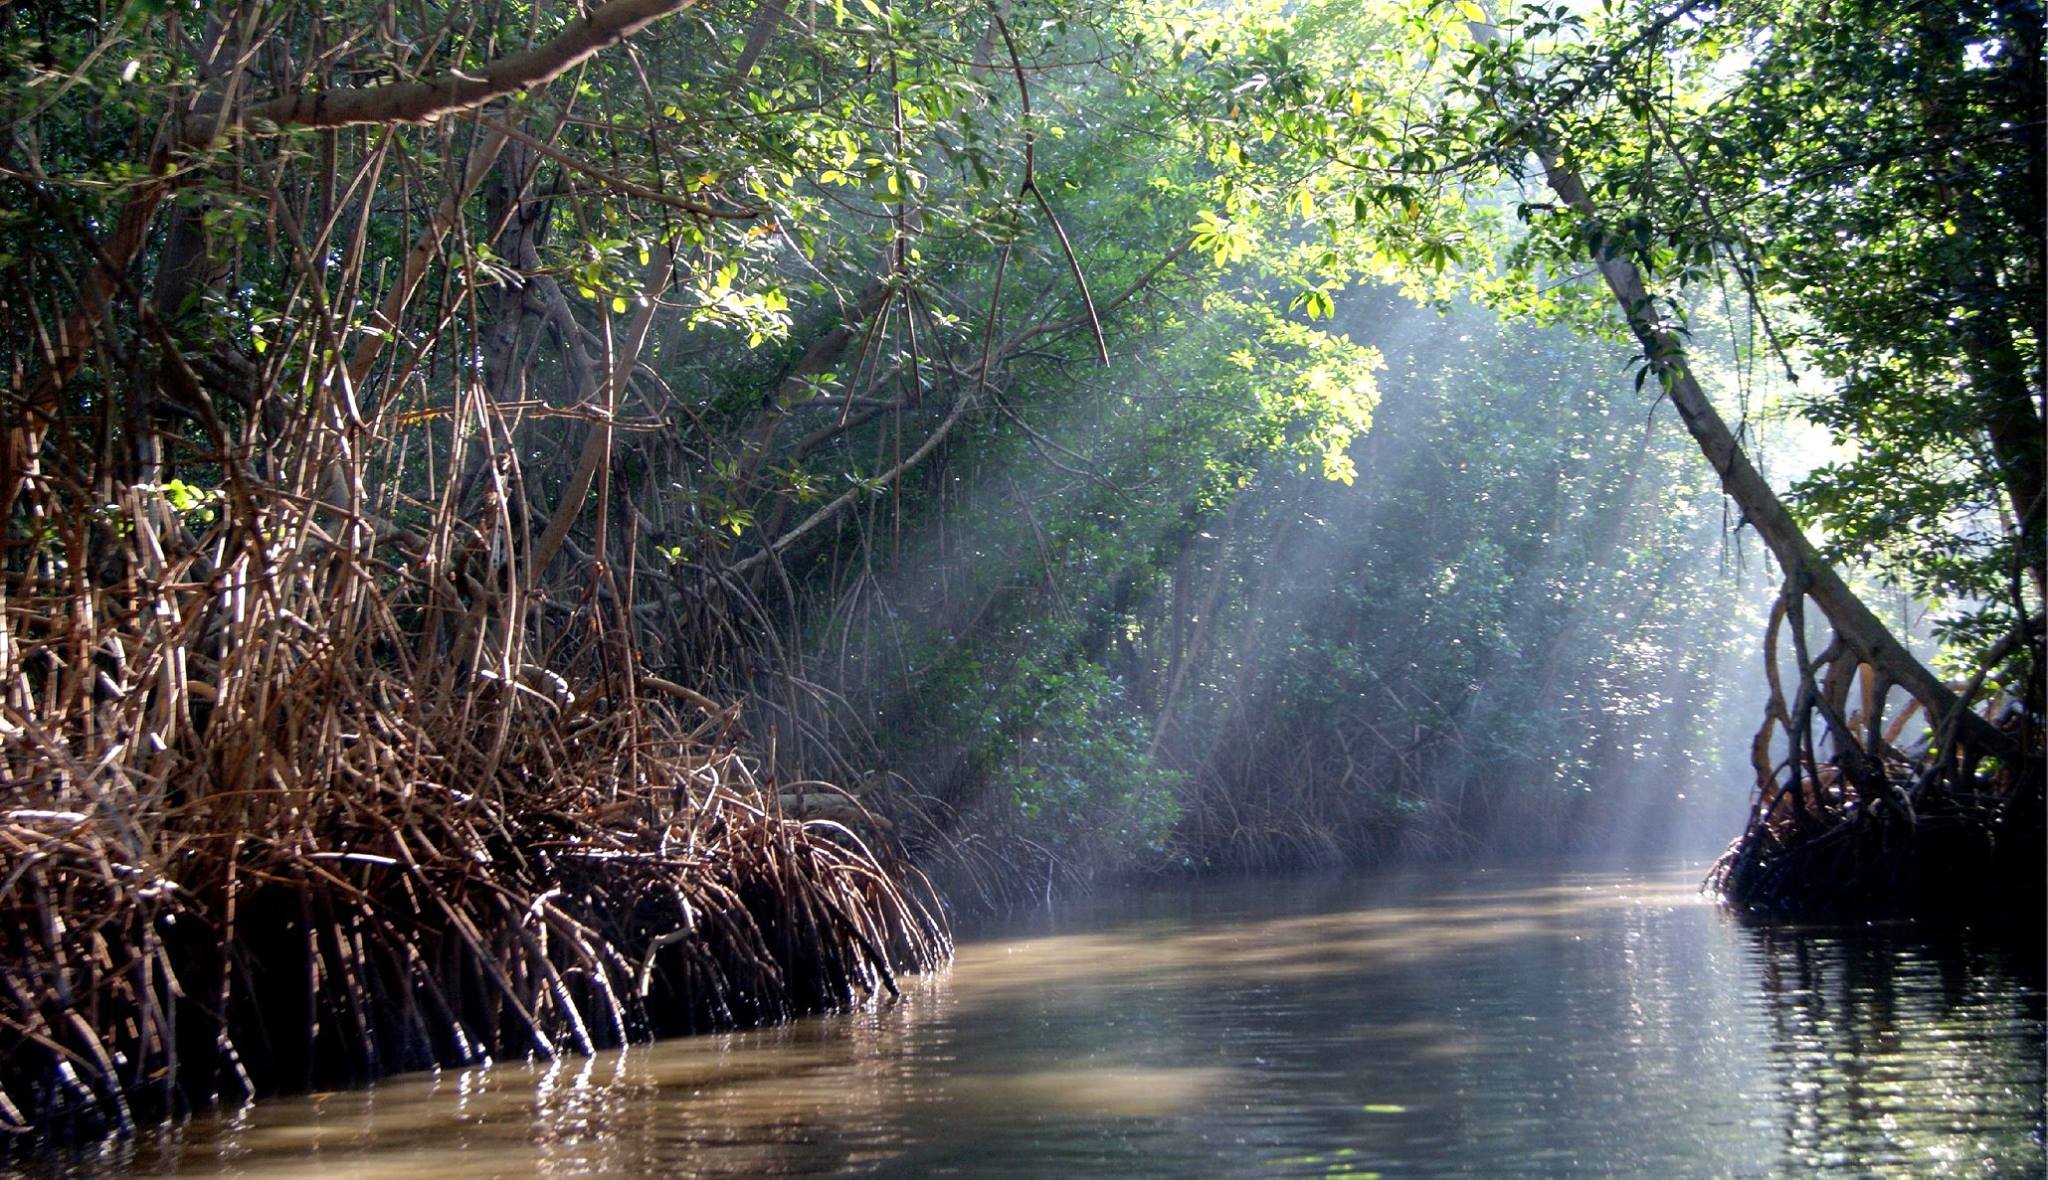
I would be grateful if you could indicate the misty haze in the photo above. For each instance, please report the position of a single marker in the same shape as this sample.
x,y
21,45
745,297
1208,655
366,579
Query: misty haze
x,y
1046,587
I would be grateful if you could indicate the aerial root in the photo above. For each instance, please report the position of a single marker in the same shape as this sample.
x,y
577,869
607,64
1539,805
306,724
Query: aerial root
x,y
377,895
1846,823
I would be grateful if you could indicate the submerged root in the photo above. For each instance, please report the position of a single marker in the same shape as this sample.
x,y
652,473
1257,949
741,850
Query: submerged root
x,y
264,830
1973,854
1846,822
289,938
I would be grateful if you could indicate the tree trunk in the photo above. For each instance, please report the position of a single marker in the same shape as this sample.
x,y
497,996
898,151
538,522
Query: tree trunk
x,y
1872,642
1858,626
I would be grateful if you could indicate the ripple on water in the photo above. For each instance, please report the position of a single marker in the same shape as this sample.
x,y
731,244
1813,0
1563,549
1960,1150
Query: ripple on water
x,y
1449,1023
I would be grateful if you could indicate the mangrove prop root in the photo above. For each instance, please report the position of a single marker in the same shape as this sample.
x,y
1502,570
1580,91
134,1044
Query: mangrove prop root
x,y
370,925
1848,824
248,845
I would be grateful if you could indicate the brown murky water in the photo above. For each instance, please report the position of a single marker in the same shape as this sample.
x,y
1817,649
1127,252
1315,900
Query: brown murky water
x,y
1506,1022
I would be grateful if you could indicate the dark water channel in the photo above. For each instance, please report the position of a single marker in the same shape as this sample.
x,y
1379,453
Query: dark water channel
x,y
1504,1022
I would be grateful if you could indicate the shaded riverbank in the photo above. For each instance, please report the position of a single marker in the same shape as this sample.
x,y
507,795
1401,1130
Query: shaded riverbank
x,y
1446,1022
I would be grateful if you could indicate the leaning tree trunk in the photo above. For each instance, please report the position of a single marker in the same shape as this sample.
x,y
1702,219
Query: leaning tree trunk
x,y
1806,571
1854,789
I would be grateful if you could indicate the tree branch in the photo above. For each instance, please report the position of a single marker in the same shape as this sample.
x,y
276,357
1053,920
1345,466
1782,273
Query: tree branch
x,y
453,91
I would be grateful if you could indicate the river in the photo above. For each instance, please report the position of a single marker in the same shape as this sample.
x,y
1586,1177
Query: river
x,y
1447,1022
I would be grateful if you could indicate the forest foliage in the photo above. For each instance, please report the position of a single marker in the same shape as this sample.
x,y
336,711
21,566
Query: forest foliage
x,y
924,367
1026,439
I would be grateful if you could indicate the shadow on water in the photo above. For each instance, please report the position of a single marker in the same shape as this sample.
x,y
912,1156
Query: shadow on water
x,y
1467,1022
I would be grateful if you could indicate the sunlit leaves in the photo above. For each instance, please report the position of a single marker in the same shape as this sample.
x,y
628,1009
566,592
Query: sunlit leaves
x,y
1316,304
1225,240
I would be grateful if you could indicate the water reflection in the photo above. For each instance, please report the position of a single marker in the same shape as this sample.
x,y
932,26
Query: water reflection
x,y
1884,1059
1476,1023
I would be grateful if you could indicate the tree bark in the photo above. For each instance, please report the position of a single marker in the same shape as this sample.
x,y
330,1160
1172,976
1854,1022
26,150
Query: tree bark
x,y
1867,636
1861,629
820,356
427,100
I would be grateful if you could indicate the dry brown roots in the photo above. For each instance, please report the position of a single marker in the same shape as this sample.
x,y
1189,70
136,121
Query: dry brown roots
x,y
250,840
311,933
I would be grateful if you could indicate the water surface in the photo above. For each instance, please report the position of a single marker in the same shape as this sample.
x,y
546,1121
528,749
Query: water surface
x,y
1505,1022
